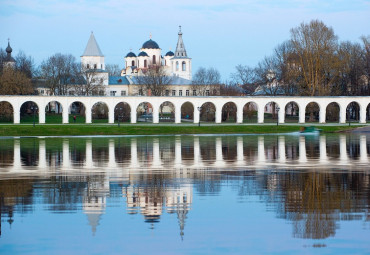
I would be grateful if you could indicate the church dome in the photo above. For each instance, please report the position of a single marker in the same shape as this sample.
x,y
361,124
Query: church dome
x,y
150,45
130,55
143,54
170,53
9,49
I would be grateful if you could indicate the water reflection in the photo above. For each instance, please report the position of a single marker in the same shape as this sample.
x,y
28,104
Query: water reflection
x,y
259,152
314,182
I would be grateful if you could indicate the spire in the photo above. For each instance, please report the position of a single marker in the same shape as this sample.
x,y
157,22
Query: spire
x,y
92,47
9,49
180,48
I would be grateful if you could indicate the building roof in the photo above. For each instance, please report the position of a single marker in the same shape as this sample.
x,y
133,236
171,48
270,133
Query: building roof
x,y
150,44
118,80
170,53
143,54
92,47
131,55
175,80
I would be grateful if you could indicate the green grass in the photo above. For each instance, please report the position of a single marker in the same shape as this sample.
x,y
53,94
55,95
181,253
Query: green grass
x,y
142,129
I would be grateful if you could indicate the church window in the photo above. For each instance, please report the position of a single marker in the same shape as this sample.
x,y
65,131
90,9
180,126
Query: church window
x,y
154,60
165,63
167,92
173,92
133,63
101,66
207,92
138,63
194,92
95,66
183,66
177,65
140,92
88,66
123,93
180,92
145,63
187,93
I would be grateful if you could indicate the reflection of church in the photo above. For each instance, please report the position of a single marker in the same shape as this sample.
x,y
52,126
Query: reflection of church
x,y
150,201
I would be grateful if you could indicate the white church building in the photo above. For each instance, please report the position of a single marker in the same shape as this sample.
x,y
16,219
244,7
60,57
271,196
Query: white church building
x,y
176,64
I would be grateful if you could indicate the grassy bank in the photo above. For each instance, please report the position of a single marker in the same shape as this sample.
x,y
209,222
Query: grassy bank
x,y
142,129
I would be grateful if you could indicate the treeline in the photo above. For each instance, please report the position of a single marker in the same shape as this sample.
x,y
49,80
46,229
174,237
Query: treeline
x,y
311,63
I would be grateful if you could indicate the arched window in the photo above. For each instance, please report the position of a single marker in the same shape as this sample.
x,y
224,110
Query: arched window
x,y
133,63
154,60
88,66
183,66
145,63
177,65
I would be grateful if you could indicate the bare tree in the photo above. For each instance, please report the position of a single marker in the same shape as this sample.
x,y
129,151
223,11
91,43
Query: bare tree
x,y
154,81
316,47
25,64
89,82
113,69
59,72
206,81
245,78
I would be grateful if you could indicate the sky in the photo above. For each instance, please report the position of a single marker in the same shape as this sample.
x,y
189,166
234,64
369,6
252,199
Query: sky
x,y
216,33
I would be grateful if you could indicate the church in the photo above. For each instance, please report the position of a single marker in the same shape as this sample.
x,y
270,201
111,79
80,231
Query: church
x,y
176,65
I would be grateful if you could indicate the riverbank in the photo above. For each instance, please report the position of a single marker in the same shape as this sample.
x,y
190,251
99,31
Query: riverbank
x,y
156,129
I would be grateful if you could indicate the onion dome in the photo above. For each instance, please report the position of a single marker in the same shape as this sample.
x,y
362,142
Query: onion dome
x,y
131,55
170,54
9,49
143,54
150,45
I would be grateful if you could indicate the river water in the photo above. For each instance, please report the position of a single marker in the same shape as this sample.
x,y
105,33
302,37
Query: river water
x,y
234,194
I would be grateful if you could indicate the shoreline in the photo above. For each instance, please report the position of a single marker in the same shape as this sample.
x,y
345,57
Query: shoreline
x,y
27,130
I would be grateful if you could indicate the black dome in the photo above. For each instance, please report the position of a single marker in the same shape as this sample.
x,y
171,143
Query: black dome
x,y
150,45
130,55
170,53
9,49
143,54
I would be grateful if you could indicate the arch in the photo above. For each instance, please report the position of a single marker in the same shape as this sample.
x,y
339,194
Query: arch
x,y
122,112
229,112
77,112
291,112
332,112
167,112
177,65
53,112
207,112
6,112
99,112
312,112
353,112
187,112
183,66
133,63
250,110
29,112
271,112
144,112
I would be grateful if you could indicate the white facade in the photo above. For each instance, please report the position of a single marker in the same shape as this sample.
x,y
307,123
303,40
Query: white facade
x,y
111,102
175,64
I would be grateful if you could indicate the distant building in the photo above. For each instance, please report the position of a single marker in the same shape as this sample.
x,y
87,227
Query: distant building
x,y
176,65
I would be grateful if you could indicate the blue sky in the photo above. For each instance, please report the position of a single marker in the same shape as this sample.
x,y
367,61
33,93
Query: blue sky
x,y
217,33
